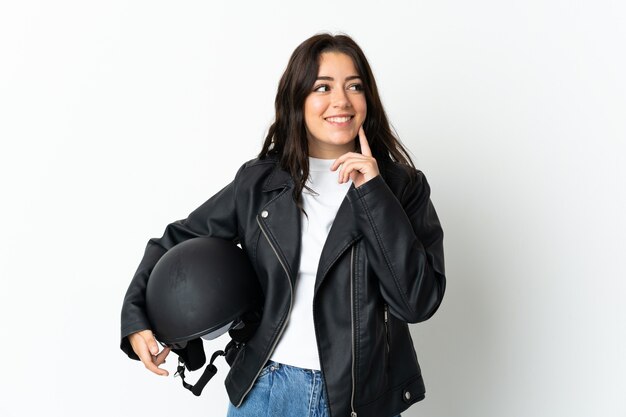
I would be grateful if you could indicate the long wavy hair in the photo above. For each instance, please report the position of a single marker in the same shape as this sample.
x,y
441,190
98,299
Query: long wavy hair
x,y
287,136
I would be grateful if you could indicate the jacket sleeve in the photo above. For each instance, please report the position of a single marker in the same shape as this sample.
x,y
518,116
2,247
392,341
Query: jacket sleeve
x,y
404,244
216,217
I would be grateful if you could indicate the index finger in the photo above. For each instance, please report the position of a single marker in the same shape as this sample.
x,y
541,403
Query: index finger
x,y
365,147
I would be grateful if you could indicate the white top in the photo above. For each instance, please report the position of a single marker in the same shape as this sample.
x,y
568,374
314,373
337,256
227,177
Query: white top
x,y
298,346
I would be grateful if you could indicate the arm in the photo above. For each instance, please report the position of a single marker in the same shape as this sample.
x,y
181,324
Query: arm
x,y
404,243
216,217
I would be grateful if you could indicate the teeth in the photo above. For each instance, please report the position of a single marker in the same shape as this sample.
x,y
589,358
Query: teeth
x,y
339,119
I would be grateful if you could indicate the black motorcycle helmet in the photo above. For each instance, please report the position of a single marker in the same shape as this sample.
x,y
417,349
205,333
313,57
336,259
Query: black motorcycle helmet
x,y
202,288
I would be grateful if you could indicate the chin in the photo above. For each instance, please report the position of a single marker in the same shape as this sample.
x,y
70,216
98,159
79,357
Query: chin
x,y
343,139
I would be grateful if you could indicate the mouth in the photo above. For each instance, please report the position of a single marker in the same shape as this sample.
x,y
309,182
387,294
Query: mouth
x,y
342,120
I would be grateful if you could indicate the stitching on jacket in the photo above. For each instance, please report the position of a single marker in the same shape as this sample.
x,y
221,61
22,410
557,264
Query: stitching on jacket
x,y
255,248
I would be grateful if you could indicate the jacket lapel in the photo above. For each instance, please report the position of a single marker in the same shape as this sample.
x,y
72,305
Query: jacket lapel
x,y
343,233
282,221
283,225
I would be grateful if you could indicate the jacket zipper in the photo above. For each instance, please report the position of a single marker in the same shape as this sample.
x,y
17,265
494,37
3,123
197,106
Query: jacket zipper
x,y
353,413
386,316
288,311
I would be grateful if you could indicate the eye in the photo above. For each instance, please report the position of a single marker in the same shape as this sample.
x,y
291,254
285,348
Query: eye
x,y
321,88
356,87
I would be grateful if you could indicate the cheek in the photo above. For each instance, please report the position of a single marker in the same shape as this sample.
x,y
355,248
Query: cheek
x,y
359,104
362,107
314,108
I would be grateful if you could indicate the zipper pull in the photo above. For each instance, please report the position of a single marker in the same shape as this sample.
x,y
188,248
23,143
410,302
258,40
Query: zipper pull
x,y
386,313
353,414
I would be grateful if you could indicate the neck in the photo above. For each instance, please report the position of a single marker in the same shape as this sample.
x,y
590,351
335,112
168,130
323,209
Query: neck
x,y
331,152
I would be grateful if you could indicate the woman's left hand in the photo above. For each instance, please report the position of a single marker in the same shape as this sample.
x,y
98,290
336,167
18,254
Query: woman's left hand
x,y
359,167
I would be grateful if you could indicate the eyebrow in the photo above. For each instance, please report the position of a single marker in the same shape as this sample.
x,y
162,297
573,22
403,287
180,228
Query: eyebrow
x,y
351,77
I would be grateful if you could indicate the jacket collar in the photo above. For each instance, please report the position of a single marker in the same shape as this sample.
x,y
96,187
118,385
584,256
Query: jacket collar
x,y
279,178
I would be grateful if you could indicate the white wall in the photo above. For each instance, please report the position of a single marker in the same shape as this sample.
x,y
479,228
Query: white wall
x,y
111,114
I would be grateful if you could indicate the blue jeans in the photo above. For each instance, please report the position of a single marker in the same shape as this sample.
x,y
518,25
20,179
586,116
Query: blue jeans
x,y
284,390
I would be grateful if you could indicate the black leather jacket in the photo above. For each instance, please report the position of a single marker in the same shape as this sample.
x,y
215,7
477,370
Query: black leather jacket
x,y
382,266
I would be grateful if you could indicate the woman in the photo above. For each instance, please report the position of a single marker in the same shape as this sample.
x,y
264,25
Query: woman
x,y
344,239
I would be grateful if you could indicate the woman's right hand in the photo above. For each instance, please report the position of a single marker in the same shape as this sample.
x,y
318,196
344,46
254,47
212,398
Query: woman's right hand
x,y
145,346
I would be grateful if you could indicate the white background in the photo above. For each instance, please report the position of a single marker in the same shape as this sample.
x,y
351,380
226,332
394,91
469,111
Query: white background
x,y
119,117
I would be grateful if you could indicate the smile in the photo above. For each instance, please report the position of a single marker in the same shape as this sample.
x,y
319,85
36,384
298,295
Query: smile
x,y
341,120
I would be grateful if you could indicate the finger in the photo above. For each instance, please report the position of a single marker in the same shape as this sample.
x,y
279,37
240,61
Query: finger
x,y
338,162
343,160
365,146
350,168
151,342
342,171
353,176
345,171
146,359
160,358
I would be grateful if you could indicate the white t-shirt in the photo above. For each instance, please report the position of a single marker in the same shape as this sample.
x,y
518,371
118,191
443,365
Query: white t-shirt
x,y
298,346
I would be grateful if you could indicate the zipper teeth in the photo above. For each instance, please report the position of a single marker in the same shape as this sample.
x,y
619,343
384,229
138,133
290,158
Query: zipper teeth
x,y
387,326
282,329
353,414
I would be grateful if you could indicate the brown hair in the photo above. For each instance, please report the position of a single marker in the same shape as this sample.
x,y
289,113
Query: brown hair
x,y
287,138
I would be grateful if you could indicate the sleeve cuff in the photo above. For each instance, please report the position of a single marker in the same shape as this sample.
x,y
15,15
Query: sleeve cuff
x,y
355,193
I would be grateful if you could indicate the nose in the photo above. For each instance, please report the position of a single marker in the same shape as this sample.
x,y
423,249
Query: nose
x,y
340,99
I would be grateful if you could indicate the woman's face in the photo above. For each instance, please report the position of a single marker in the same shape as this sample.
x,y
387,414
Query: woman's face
x,y
336,107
